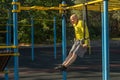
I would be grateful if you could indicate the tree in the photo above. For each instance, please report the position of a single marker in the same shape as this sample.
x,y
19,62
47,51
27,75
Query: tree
x,y
43,20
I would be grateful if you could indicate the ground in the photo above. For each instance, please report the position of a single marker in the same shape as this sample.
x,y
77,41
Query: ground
x,y
42,67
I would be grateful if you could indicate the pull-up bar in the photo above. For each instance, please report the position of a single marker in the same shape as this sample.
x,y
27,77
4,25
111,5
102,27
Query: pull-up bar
x,y
36,7
92,5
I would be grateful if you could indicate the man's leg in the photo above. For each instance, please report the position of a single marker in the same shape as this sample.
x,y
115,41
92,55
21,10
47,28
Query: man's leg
x,y
73,57
70,60
70,53
67,58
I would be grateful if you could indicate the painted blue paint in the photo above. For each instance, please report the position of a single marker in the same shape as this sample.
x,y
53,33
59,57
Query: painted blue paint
x,y
64,41
32,38
105,42
102,16
6,74
8,41
54,27
15,41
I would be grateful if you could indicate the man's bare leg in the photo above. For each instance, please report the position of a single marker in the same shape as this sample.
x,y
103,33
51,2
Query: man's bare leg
x,y
70,60
67,58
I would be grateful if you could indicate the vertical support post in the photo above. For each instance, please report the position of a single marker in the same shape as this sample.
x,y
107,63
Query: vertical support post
x,y
102,17
54,27
6,74
105,42
32,38
8,40
15,41
8,29
64,40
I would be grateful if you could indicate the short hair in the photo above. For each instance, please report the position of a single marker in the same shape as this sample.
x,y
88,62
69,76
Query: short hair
x,y
74,15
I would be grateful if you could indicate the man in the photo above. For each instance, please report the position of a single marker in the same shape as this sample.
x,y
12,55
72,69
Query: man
x,y
80,45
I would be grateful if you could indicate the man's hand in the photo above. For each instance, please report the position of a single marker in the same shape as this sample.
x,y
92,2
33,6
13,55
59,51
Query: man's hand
x,y
85,45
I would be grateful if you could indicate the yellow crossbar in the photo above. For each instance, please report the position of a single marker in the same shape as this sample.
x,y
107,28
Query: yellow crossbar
x,y
88,3
45,8
3,31
114,9
8,47
10,54
12,25
5,24
92,5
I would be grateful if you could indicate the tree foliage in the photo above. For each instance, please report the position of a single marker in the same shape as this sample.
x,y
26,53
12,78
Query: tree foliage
x,y
43,21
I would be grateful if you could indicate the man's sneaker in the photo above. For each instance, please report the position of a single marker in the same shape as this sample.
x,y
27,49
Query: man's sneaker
x,y
61,68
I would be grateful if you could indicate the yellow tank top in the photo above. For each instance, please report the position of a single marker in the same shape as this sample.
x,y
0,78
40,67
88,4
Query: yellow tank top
x,y
79,31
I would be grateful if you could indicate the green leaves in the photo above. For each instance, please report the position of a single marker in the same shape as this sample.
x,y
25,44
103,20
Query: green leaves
x,y
43,20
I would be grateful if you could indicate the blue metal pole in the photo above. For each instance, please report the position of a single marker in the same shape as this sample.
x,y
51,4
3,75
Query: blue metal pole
x,y
64,41
6,74
102,17
8,29
105,42
63,37
7,37
15,41
32,37
103,50
54,37
7,33
7,42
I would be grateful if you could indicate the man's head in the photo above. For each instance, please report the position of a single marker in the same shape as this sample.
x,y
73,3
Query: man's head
x,y
74,19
